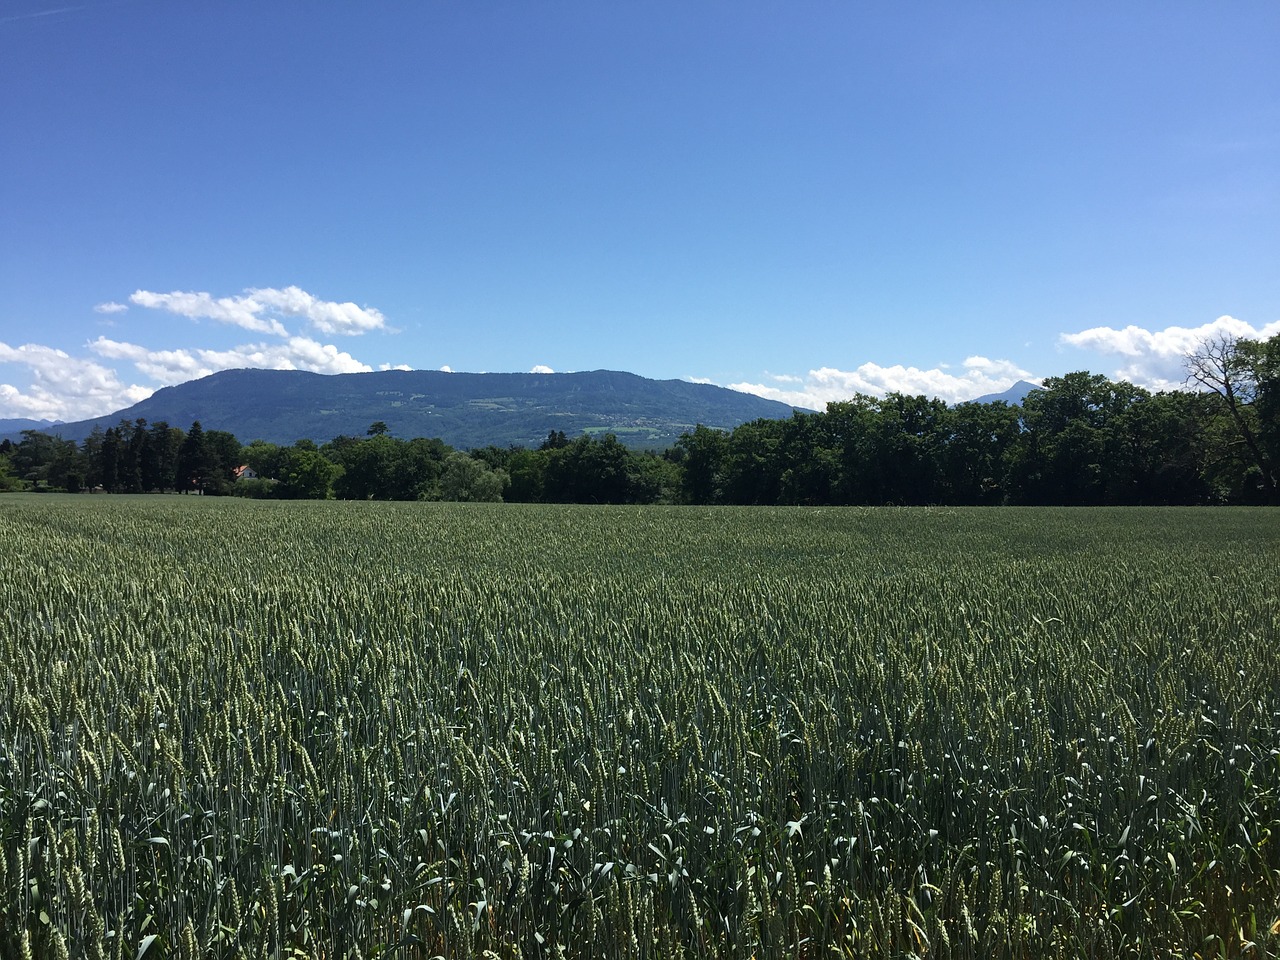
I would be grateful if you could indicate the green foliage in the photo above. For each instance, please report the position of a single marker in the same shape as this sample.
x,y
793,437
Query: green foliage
x,y
195,463
47,463
1082,440
701,454
263,729
467,479
382,467
8,481
306,475
256,488
1244,377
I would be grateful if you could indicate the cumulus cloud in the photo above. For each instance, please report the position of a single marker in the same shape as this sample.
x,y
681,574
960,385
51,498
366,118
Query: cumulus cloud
x,y
177,366
394,366
446,369
541,368
1154,358
63,387
259,310
237,311
60,386
978,376
325,315
700,380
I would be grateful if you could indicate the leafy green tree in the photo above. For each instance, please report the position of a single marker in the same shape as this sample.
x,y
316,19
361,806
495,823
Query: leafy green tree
x,y
1245,377
527,470
1071,452
851,427
976,459
754,463
366,469
1162,451
305,475
468,479
811,474
910,432
48,462
9,481
701,459
1264,361
588,471
417,466
266,459
654,479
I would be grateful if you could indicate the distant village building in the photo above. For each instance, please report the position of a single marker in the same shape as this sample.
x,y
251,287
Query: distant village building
x,y
245,472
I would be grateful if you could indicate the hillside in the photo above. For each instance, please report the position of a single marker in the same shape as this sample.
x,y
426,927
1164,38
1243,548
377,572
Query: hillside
x,y
466,410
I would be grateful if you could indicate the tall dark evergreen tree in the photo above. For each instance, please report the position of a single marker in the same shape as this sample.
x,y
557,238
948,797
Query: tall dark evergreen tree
x,y
195,462
163,445
109,461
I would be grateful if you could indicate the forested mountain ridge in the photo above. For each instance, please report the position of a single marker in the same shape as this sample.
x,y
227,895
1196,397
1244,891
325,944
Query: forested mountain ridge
x,y
465,410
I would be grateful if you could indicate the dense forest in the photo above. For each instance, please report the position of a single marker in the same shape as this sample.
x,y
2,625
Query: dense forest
x,y
1083,439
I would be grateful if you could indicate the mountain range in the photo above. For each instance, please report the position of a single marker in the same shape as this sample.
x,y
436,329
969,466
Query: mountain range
x,y
465,410
16,425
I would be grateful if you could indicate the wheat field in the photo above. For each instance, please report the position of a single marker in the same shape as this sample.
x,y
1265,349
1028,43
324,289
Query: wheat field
x,y
264,729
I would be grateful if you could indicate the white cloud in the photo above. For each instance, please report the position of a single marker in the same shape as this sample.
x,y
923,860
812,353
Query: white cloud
x,y
826,384
1154,358
257,310
394,366
700,380
177,366
446,369
237,311
63,387
542,368
325,315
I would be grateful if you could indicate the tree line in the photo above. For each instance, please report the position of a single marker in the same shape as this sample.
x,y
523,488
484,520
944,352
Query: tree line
x,y
1084,439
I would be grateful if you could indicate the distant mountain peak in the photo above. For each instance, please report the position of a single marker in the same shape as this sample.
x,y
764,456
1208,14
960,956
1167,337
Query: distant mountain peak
x,y
1014,395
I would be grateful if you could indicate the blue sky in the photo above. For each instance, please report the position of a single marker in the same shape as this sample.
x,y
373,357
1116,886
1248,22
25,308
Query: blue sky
x,y
805,200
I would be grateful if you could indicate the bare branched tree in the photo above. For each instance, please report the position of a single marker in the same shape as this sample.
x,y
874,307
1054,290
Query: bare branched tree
x,y
1221,365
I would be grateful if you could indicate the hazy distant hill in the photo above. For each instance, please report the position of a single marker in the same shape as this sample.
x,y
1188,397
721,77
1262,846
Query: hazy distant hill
x,y
466,410
17,425
1014,395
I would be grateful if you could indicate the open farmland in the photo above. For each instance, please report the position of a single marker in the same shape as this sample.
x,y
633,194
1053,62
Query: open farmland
x,y
327,729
